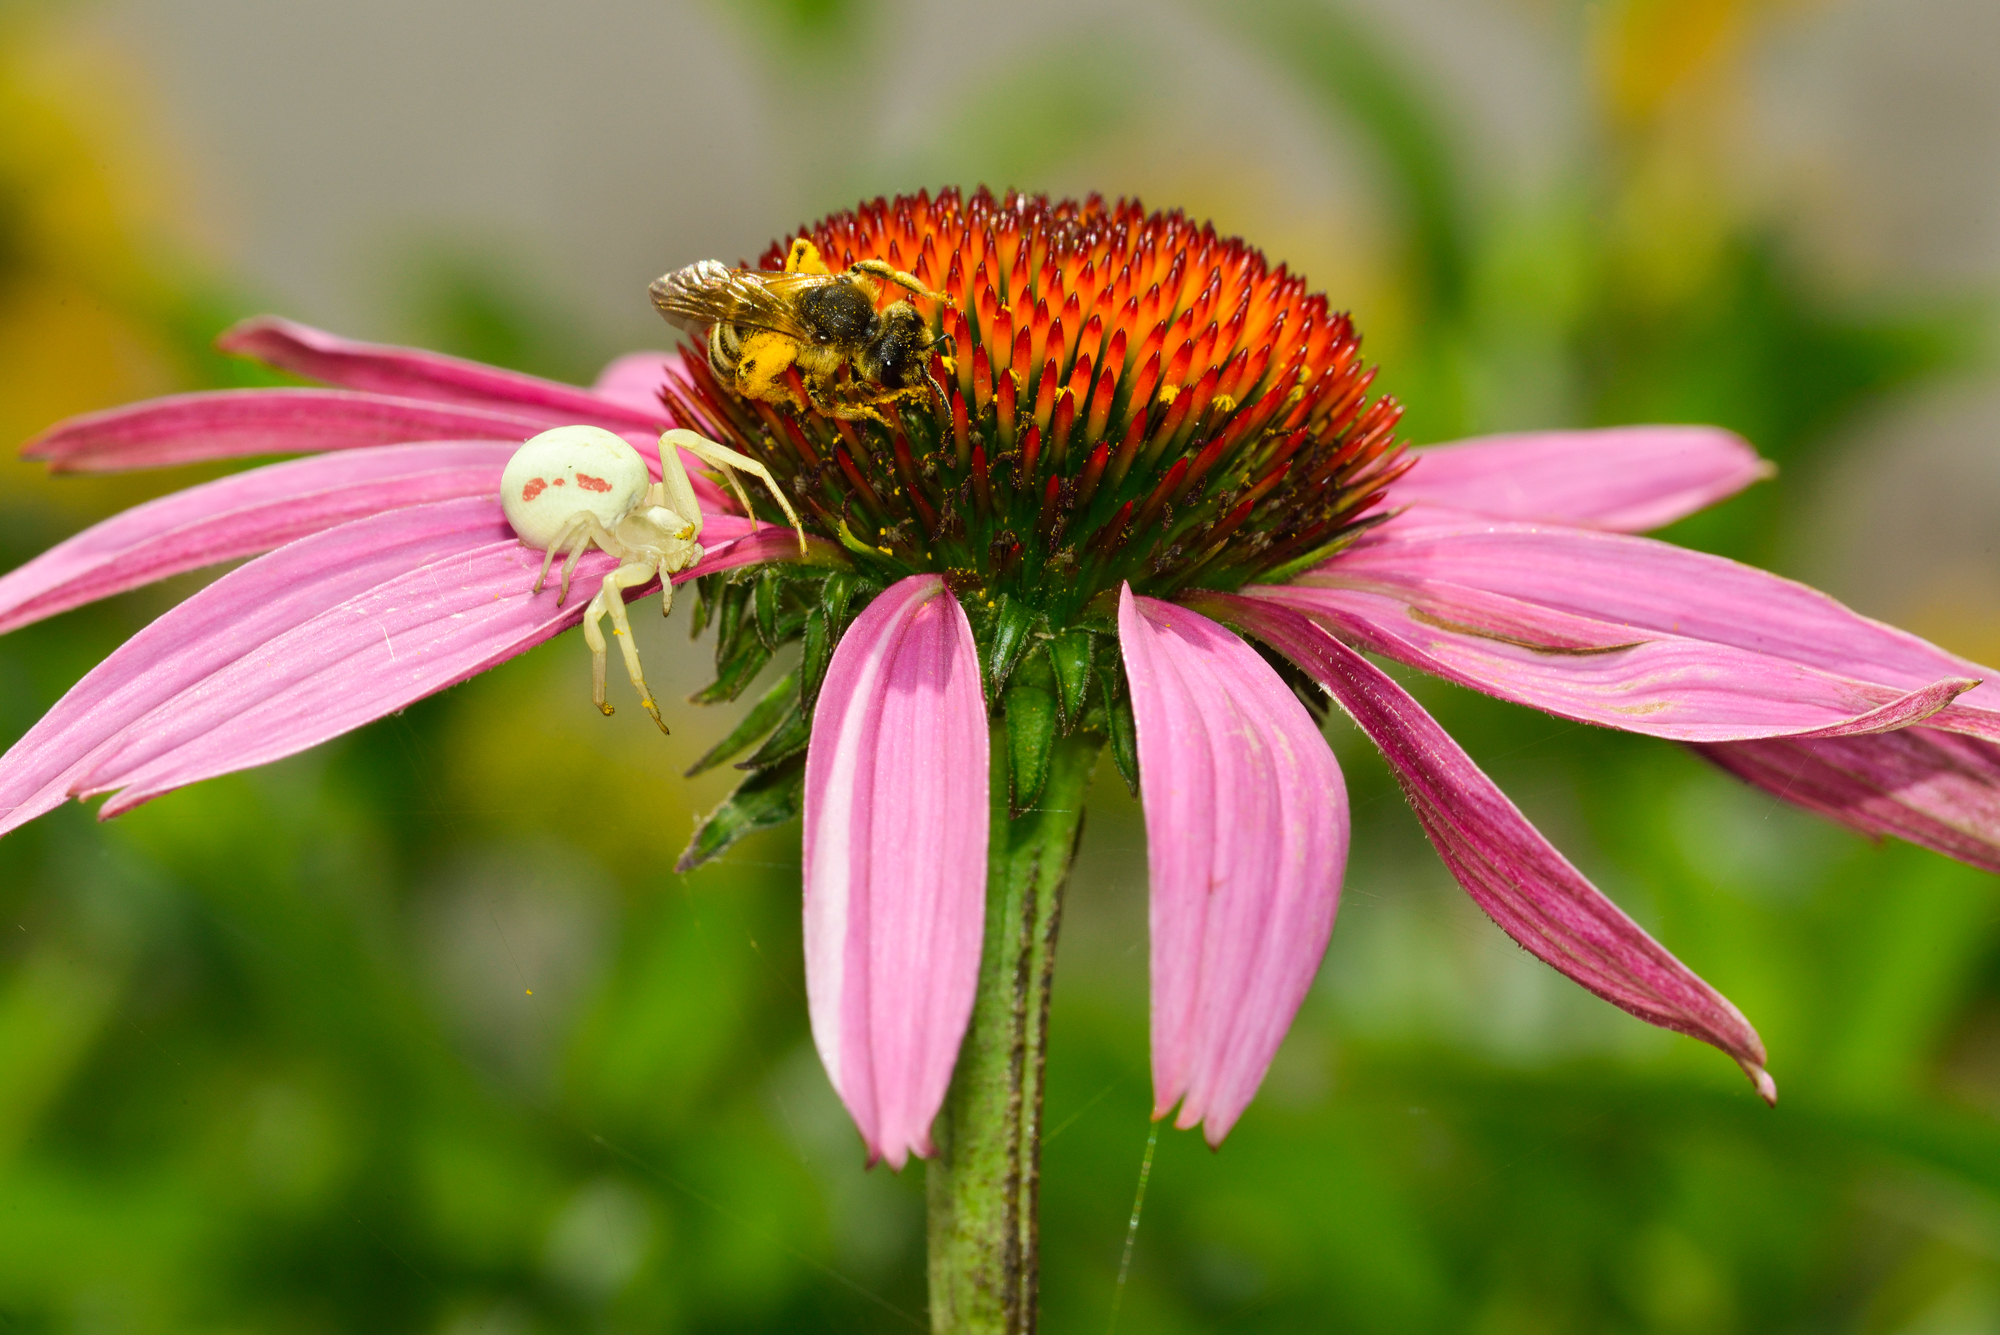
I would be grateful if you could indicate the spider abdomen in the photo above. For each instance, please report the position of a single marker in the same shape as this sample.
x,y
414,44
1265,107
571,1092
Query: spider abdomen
x,y
563,472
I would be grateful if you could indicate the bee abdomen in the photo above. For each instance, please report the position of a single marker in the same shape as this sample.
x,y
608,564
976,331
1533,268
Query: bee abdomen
x,y
725,346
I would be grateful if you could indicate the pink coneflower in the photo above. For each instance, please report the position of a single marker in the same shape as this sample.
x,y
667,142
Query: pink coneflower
x,y
1153,443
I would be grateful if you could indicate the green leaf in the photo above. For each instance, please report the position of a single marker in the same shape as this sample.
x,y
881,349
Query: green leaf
x,y
729,621
1069,655
788,740
768,797
736,673
707,592
1123,728
837,597
1031,732
818,652
763,716
1011,627
767,588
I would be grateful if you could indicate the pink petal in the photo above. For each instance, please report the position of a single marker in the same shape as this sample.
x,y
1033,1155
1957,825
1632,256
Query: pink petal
x,y
417,374
241,515
1602,672
1504,863
635,379
298,646
231,423
1935,789
895,860
1627,479
1653,588
1246,839
227,424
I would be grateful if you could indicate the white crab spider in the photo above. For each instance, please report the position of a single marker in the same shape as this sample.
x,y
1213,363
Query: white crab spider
x,y
581,486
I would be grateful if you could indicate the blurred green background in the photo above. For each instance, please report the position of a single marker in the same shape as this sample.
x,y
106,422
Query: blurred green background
x,y
419,1032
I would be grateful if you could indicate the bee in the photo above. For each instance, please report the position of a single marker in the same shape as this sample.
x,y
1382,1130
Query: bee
x,y
761,324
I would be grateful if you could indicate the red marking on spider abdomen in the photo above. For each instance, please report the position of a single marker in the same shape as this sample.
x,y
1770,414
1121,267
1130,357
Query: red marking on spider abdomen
x,y
533,489
589,483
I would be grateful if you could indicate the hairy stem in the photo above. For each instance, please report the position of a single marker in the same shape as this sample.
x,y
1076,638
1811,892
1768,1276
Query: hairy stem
x,y
985,1181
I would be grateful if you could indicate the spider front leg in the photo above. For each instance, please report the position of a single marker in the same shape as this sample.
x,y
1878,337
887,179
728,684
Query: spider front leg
x,y
610,600
680,493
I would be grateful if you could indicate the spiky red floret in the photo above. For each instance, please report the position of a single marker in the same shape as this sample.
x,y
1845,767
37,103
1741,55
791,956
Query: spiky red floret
x,y
1131,397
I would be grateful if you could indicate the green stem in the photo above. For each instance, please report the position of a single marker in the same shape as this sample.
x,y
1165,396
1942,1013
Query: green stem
x,y
985,1181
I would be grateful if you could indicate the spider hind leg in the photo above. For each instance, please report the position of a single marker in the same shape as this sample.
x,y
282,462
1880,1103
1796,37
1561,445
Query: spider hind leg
x,y
610,601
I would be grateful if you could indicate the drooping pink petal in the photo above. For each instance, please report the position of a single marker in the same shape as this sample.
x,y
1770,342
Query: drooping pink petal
x,y
233,423
1604,673
635,379
1650,588
1935,789
414,373
1626,479
1246,841
242,515
1504,863
895,860
305,643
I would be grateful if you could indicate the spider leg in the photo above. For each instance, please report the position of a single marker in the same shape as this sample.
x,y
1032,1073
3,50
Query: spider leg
x,y
593,635
612,598
674,485
563,535
592,532
667,585
723,459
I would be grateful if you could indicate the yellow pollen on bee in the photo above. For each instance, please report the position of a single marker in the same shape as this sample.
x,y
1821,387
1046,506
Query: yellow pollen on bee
x,y
804,258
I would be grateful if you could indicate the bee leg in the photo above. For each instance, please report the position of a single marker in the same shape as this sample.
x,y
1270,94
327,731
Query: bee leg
x,y
883,269
804,257
858,412
950,368
819,393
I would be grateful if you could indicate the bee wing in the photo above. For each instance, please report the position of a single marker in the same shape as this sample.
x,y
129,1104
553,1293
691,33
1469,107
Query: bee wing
x,y
710,292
